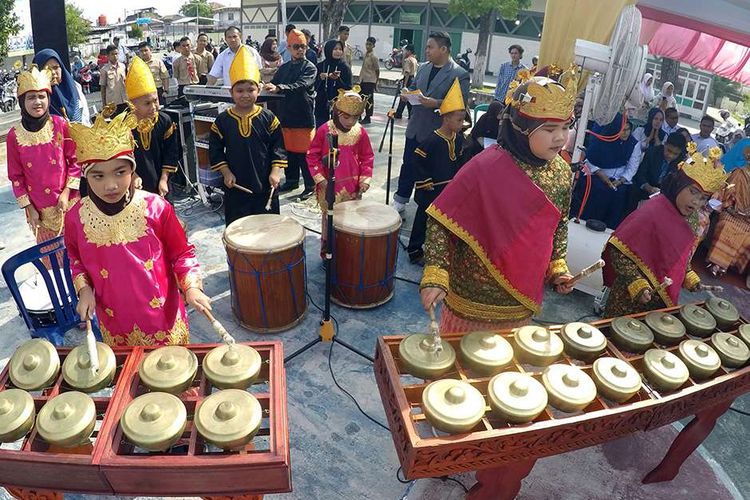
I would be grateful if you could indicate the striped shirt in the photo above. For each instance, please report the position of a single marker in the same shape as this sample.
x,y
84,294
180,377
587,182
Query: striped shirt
x,y
506,74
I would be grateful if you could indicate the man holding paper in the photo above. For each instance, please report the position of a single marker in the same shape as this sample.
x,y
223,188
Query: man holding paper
x,y
430,85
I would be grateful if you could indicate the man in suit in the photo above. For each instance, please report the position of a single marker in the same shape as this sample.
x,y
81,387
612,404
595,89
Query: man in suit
x,y
433,79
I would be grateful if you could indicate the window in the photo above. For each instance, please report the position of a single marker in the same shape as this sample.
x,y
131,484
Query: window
x,y
231,16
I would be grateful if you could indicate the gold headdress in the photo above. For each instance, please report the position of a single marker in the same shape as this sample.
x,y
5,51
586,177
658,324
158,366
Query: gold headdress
x,y
708,173
244,67
34,80
350,101
454,99
104,140
545,98
140,80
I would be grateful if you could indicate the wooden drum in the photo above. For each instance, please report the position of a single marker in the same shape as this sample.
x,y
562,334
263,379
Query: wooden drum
x,y
365,253
266,260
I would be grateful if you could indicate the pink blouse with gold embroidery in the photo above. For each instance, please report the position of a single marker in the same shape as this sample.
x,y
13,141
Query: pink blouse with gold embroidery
x,y
136,261
41,164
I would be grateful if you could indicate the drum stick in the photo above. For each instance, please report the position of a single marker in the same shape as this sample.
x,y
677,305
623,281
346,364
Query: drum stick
x,y
218,327
436,341
242,188
270,199
91,347
585,272
666,283
711,288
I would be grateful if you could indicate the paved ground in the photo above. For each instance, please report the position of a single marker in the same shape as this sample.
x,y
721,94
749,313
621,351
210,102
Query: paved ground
x,y
336,452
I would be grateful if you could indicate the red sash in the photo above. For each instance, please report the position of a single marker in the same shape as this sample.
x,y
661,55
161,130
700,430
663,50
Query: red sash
x,y
659,240
506,219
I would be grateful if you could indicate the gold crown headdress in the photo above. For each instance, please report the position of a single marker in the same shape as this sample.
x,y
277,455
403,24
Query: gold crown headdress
x,y
708,173
34,80
545,98
350,101
244,67
140,80
104,140
454,99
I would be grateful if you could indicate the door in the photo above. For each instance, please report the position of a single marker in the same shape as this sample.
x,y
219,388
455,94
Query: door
x,y
414,36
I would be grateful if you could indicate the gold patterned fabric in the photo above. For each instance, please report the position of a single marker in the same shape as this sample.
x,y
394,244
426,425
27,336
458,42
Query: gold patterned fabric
x,y
178,334
128,226
473,293
42,136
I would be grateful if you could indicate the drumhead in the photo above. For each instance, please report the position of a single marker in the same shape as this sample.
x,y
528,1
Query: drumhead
x,y
365,217
264,233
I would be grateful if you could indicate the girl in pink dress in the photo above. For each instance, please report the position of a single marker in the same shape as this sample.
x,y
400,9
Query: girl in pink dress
x,y
355,156
42,166
129,256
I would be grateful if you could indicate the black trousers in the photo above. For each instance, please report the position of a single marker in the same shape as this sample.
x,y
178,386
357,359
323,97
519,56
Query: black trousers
x,y
238,204
419,228
296,164
404,104
162,96
367,90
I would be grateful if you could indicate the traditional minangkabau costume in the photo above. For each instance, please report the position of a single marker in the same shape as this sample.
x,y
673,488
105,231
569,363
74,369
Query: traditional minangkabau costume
x,y
250,146
657,242
355,155
133,253
157,148
499,229
41,159
730,247
436,162
295,80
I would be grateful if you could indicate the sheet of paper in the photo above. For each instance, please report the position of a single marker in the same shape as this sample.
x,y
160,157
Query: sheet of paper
x,y
489,141
413,97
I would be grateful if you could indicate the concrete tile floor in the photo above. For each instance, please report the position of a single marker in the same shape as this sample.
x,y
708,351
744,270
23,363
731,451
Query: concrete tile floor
x,y
336,452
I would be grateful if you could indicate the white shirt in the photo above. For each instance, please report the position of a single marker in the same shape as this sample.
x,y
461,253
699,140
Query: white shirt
x,y
626,172
704,145
666,128
220,69
122,54
83,104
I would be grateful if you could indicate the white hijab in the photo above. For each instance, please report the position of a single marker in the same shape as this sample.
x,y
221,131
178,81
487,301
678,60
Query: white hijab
x,y
647,89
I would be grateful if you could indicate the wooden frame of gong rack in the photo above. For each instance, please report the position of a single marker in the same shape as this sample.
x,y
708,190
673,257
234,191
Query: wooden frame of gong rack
x,y
493,443
111,465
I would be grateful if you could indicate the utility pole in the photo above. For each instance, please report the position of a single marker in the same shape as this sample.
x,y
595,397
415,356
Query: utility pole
x,y
48,27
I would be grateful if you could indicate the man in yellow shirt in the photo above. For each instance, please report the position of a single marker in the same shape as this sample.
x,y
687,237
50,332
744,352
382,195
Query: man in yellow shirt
x,y
158,69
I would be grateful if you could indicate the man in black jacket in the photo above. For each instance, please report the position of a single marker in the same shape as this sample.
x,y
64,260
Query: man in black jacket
x,y
657,163
296,81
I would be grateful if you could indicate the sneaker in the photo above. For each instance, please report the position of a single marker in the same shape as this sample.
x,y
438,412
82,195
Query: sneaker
x,y
306,194
288,186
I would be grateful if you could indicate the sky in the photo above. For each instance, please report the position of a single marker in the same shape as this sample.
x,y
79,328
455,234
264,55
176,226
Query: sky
x,y
113,10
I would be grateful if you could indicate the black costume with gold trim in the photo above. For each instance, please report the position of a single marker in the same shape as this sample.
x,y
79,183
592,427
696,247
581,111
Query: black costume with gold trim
x,y
157,150
250,146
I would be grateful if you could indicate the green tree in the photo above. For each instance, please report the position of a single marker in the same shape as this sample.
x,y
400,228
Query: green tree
x,y
333,16
193,8
723,87
486,11
9,25
77,26
136,32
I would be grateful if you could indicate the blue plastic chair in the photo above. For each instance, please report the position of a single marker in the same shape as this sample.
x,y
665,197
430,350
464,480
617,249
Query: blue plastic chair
x,y
63,304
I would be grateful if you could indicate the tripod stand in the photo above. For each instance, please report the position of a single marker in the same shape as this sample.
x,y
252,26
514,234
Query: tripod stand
x,y
327,332
386,131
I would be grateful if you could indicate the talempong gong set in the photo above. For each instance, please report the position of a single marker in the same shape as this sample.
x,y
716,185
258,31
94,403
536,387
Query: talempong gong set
x,y
153,421
515,376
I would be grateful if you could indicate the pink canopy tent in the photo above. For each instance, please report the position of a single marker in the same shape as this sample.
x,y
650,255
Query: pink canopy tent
x,y
713,35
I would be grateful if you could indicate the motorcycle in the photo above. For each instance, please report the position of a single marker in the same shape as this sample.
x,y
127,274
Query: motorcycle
x,y
8,99
396,58
463,60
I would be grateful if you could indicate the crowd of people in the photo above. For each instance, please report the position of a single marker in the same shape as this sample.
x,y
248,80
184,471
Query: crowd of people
x,y
104,186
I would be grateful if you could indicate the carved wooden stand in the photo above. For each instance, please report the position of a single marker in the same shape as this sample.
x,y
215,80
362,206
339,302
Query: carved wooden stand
x,y
503,454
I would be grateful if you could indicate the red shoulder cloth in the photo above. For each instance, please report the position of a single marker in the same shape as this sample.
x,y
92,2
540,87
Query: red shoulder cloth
x,y
506,219
659,240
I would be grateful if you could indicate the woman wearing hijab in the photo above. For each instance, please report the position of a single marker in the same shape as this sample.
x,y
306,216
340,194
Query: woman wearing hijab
x,y
657,241
641,101
67,98
333,74
42,166
651,134
613,165
666,99
499,230
271,59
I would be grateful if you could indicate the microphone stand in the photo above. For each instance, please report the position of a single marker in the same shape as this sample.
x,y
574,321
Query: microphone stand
x,y
327,332
389,125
